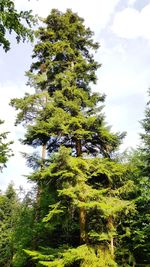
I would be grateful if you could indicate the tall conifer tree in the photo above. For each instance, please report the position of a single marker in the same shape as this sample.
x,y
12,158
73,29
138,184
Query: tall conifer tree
x,y
80,189
141,221
145,137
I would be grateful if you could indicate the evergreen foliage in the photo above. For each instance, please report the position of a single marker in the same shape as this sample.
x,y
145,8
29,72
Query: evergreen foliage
x,y
23,232
63,109
145,137
16,223
141,222
8,206
12,20
90,207
81,190
5,150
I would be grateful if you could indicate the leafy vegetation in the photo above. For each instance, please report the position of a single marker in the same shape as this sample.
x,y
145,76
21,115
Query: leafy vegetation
x,y
13,21
89,207
5,150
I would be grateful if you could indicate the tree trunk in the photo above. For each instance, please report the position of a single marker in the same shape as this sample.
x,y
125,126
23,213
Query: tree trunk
x,y
82,212
38,197
43,155
110,229
112,246
78,148
39,186
82,225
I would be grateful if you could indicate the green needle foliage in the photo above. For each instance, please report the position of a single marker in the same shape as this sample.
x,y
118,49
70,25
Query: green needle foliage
x,y
63,109
12,20
145,137
141,221
16,221
5,150
8,206
82,191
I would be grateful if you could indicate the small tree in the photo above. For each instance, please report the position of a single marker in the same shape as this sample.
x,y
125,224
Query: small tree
x,y
5,150
8,206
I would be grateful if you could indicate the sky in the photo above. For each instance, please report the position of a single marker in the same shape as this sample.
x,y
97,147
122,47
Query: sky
x,y
122,29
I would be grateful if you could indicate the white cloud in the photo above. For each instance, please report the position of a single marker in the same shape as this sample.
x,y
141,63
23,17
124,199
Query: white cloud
x,y
131,2
145,22
96,13
125,78
131,23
